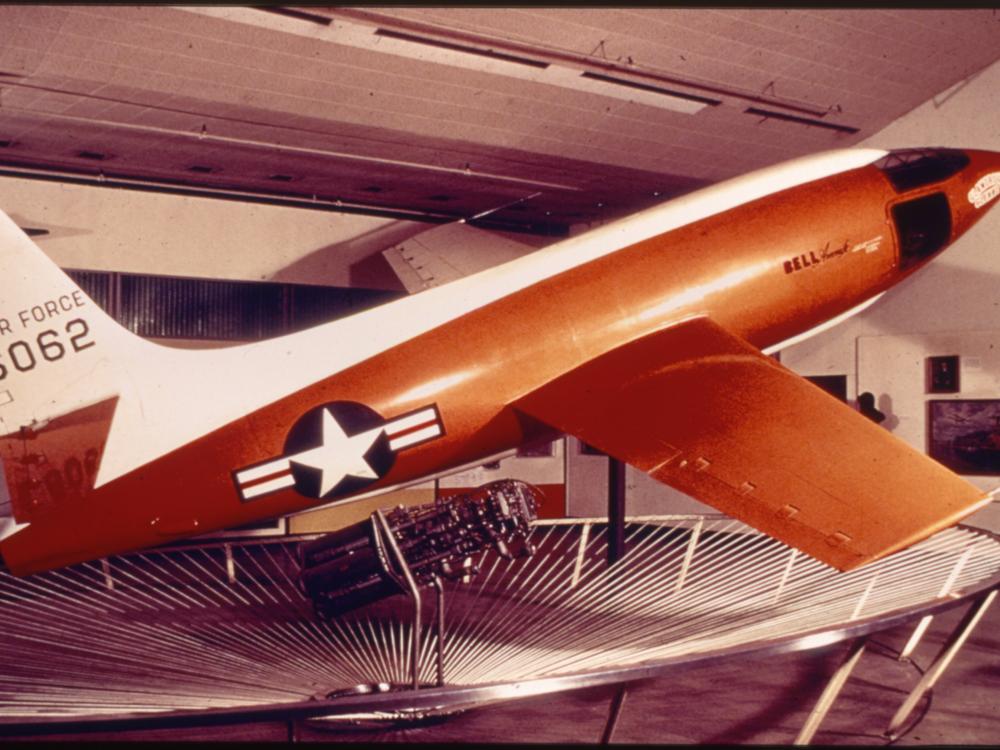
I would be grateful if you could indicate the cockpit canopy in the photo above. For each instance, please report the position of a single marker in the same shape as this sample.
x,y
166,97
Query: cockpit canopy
x,y
910,168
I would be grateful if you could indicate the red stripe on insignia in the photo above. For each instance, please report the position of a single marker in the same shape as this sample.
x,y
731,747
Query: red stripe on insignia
x,y
413,428
266,478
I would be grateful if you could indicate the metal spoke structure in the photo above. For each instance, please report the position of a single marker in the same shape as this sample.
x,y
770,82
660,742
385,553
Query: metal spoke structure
x,y
222,630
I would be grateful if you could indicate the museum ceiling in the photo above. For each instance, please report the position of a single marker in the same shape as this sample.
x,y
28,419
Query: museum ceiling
x,y
544,117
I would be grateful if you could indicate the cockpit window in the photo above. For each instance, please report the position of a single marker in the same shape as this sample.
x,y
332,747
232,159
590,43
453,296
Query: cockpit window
x,y
915,167
923,226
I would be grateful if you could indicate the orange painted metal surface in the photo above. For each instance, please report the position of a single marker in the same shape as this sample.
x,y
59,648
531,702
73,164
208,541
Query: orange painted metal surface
x,y
728,425
764,271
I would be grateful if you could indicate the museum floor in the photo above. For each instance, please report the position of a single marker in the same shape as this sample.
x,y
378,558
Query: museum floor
x,y
747,701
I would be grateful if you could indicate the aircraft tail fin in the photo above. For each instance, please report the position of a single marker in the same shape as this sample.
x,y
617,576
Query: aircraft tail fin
x,y
59,351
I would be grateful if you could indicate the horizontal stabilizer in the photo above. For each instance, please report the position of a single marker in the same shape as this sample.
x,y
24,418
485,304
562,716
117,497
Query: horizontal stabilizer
x,y
453,251
707,413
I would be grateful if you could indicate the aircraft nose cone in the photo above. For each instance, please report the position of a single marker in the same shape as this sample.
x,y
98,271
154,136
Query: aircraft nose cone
x,y
975,190
984,172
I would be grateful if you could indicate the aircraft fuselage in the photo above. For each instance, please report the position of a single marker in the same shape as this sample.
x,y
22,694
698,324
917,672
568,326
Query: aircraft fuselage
x,y
767,270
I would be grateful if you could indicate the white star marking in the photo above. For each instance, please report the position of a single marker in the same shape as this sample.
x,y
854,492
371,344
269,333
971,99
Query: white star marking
x,y
339,455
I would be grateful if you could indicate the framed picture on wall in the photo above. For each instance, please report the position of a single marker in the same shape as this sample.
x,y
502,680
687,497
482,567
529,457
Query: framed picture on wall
x,y
942,374
964,435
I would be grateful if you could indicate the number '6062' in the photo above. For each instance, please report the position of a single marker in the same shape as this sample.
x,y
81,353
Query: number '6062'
x,y
49,347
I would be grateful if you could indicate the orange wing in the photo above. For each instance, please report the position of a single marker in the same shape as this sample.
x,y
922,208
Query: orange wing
x,y
703,411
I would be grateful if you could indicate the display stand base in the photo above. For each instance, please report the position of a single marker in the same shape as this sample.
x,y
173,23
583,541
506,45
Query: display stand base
x,y
220,633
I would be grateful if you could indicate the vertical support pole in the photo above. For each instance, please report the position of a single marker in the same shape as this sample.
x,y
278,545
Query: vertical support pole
x,y
831,691
792,554
614,713
951,647
230,563
382,529
616,510
616,551
440,630
918,633
689,555
863,600
924,623
581,549
109,580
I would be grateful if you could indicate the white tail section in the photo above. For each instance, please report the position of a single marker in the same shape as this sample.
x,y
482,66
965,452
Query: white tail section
x,y
59,351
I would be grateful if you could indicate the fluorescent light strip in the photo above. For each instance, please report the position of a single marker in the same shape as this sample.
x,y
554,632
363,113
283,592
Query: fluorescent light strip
x,y
771,114
299,14
430,50
425,49
655,89
460,48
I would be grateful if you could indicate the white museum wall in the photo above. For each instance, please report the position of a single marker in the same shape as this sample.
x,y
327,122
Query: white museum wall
x,y
114,229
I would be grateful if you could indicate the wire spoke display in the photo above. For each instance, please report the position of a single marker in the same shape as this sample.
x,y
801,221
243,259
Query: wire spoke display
x,y
224,625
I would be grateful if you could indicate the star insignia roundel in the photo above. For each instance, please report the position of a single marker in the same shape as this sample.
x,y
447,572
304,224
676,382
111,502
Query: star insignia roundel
x,y
338,448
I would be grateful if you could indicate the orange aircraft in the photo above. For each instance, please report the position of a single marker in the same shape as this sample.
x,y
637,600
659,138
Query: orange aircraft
x,y
647,338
